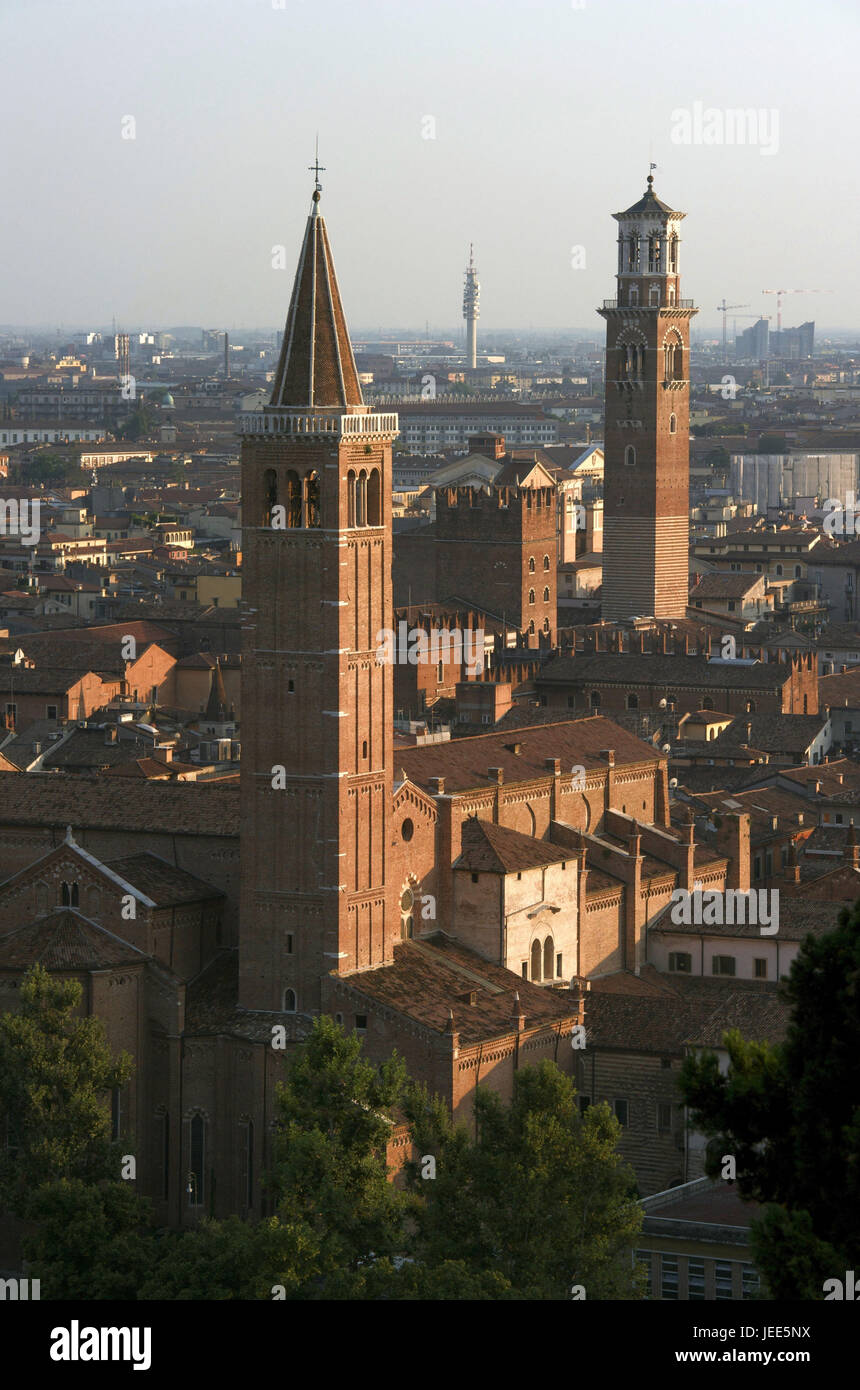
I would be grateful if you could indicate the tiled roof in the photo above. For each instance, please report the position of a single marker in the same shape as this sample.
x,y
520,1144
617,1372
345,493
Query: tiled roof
x,y
609,668
165,883
725,586
464,762
488,848
698,1012
797,918
65,940
432,976
104,803
770,733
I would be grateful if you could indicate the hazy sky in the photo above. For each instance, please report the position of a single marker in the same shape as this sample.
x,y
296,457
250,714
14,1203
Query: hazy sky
x,y
545,116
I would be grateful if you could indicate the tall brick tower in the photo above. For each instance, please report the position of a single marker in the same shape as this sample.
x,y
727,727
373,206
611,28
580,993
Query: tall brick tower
x,y
317,707
647,443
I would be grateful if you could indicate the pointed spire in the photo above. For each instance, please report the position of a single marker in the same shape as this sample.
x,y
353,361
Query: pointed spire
x,y
217,702
316,368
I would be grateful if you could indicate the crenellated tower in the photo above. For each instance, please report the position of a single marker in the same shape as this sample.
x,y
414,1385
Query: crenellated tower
x,y
317,706
647,436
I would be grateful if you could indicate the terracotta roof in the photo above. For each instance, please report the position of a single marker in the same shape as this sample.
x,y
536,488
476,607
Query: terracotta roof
x,y
316,368
697,1012
436,974
609,668
165,883
464,762
725,586
179,808
65,940
488,848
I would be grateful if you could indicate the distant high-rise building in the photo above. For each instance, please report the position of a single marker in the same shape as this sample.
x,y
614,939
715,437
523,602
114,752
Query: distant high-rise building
x,y
471,309
647,438
793,342
754,341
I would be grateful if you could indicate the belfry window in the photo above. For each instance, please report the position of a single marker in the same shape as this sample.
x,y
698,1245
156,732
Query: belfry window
x,y
312,499
374,499
630,457
294,500
270,495
350,498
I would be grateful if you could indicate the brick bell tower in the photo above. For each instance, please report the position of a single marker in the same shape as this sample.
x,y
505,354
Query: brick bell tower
x,y
317,707
646,510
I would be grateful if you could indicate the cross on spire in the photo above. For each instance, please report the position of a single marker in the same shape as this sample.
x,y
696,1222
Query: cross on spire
x,y
316,168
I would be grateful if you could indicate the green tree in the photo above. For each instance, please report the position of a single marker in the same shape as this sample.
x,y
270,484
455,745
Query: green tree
x,y
329,1172
540,1197
790,1115
56,1071
234,1259
91,1240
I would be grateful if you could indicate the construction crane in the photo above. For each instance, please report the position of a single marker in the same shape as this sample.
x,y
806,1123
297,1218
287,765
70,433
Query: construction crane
x,y
780,294
724,309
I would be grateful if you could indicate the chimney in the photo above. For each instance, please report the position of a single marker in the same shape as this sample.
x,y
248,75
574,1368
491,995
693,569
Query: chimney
x,y
110,734
609,755
852,849
496,774
792,868
552,765
517,1014
437,785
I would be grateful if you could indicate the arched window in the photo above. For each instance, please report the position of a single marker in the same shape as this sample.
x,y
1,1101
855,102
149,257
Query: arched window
x,y
546,595
312,499
673,424
361,499
546,562
797,571
594,699
779,571
654,297
247,1163
350,498
531,595
531,564
364,747
750,706
196,1184
374,499
440,672
536,959
289,1001
69,894
546,624
532,625
294,500
630,457
673,253
708,702
548,953
270,495
634,296
632,701
407,922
